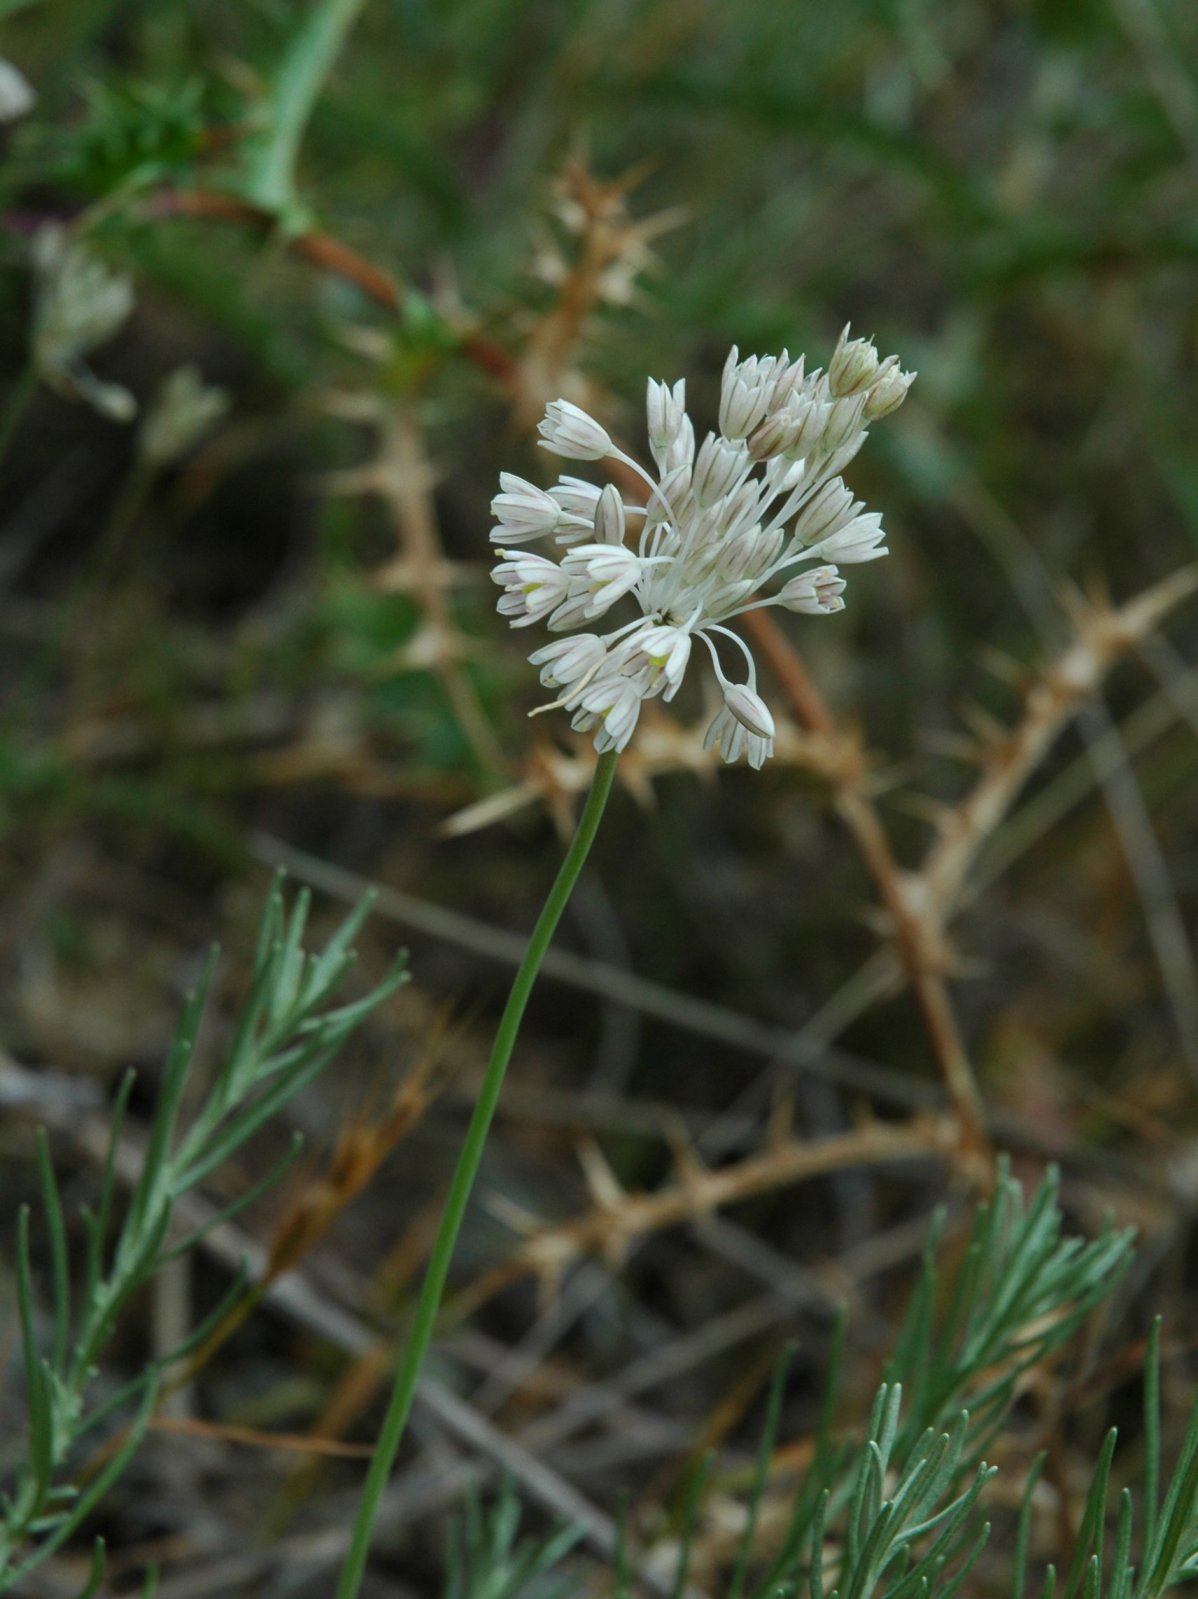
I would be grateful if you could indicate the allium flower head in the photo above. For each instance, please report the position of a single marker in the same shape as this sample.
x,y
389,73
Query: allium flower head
x,y
726,528
184,408
78,304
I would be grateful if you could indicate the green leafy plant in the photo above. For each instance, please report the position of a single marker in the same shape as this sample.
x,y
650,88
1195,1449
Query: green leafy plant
x,y
898,1511
288,1031
485,1558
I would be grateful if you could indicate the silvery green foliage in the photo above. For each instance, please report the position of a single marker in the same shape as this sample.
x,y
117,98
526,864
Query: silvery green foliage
x,y
1022,1290
1168,1540
288,1031
898,1512
486,1558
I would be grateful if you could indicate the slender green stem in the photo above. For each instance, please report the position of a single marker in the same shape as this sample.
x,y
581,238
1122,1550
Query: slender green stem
x,y
421,1331
307,63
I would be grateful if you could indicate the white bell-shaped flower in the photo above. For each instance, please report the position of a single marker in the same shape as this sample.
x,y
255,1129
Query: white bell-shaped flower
x,y
526,512
743,726
534,586
568,430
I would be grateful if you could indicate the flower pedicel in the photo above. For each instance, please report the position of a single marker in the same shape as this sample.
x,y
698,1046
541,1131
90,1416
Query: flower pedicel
x,y
755,501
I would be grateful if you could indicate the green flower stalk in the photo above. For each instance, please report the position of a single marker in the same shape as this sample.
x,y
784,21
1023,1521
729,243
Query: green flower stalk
x,y
421,1331
711,533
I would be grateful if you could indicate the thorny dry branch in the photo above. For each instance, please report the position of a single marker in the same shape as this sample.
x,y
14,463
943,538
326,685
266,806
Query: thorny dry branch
x,y
617,1218
401,475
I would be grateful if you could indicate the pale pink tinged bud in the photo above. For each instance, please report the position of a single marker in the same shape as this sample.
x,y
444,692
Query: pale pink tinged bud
x,y
888,393
741,409
814,593
808,432
853,367
769,436
788,382
744,394
763,552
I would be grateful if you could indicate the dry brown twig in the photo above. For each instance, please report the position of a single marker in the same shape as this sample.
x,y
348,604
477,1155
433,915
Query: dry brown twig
x,y
918,945
593,259
401,475
619,1219
1103,633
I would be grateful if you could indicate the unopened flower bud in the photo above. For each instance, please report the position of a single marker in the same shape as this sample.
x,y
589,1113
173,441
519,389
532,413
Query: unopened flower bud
x,y
853,367
811,418
750,709
845,423
718,465
666,410
888,393
609,516
828,509
744,394
814,593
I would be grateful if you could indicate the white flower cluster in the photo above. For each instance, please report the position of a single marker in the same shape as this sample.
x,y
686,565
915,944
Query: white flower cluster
x,y
78,304
184,408
750,505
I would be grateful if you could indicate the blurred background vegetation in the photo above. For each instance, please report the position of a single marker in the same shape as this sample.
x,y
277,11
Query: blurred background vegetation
x,y
389,232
